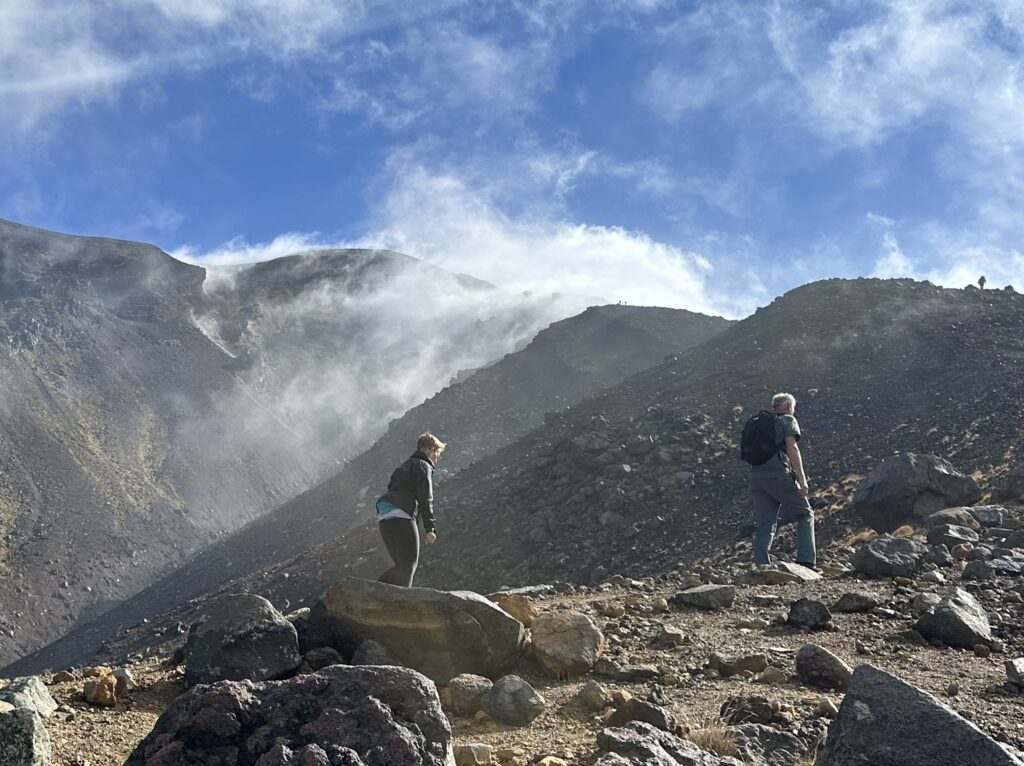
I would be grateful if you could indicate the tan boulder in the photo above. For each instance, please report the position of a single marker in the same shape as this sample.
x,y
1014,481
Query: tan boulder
x,y
101,691
567,643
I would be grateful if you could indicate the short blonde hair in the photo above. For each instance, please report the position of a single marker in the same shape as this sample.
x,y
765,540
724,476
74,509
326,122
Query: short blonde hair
x,y
431,442
780,399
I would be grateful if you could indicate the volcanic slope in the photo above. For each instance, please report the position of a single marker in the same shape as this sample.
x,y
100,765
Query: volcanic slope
x,y
646,476
492,407
150,406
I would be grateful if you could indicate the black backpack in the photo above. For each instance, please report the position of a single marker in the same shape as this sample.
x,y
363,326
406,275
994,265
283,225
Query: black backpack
x,y
759,441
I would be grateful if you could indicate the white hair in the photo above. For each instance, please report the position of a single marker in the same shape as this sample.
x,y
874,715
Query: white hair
x,y
781,399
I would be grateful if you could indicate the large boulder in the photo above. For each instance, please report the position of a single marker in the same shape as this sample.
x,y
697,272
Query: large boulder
x,y
884,721
1010,488
237,637
907,487
29,693
958,620
357,716
887,556
566,643
439,633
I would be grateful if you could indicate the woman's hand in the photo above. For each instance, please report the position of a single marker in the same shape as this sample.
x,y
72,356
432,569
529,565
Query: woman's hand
x,y
431,538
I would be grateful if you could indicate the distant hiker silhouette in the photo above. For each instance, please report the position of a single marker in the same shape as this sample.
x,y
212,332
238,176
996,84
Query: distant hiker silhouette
x,y
410,496
778,484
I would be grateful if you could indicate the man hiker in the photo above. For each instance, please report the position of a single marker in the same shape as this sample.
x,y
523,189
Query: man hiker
x,y
410,496
778,484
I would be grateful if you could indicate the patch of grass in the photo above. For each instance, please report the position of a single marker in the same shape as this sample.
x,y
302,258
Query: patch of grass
x,y
714,736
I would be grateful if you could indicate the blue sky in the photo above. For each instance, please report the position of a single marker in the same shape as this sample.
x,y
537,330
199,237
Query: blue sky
x,y
707,155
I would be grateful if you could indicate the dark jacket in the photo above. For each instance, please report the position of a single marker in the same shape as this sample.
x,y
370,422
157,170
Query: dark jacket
x,y
411,488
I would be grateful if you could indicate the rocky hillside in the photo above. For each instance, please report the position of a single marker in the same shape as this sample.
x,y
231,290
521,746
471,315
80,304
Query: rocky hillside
x,y
647,475
150,406
564,363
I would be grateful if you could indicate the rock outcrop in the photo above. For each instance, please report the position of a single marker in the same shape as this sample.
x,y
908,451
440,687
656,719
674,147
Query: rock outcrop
x,y
356,716
907,487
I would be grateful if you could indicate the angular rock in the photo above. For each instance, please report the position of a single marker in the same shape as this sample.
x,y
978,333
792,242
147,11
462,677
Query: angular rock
x,y
749,709
706,597
1015,540
1015,671
961,517
240,636
639,710
760,744
513,701
888,556
818,667
808,614
958,620
922,602
851,603
1011,487
906,486
988,515
732,666
24,740
29,693
641,744
101,691
884,721
594,697
566,643
779,573
951,535
438,633
1007,567
516,604
978,570
359,716
465,692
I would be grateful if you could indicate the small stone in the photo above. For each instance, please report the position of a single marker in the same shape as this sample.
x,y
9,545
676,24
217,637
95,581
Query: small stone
x,y
906,582
807,614
771,675
851,603
826,708
464,692
519,606
124,682
953,689
513,701
669,636
1015,671
613,609
706,597
980,650
818,667
593,697
472,755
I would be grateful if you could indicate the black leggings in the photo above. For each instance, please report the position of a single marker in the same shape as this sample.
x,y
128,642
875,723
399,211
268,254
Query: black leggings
x,y
402,539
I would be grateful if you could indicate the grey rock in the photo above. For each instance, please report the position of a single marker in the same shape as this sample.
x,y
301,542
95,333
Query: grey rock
x,y
513,701
818,667
24,740
922,602
978,570
372,652
767,746
989,515
808,614
640,710
958,620
1015,671
884,721
888,556
594,697
850,603
343,715
240,636
706,597
908,486
322,657
960,517
951,534
1015,540
640,744
940,556
441,634
780,573
1007,567
29,693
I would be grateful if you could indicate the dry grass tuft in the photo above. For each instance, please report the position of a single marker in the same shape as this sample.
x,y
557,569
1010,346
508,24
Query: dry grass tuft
x,y
905,531
712,735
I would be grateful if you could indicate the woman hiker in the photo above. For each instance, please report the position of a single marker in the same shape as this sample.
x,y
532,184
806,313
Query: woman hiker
x,y
410,496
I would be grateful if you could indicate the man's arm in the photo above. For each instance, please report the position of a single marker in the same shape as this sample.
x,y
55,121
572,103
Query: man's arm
x,y
797,461
425,500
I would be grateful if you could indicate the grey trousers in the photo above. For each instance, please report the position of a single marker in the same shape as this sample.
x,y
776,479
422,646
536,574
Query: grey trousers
x,y
776,499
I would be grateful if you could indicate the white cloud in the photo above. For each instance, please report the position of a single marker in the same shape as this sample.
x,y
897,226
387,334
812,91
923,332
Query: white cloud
x,y
237,251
